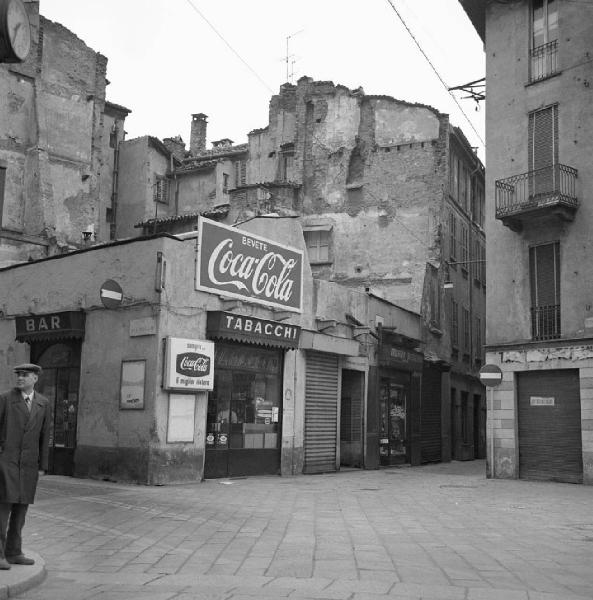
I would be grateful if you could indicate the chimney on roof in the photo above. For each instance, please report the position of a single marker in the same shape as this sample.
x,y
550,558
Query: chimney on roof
x,y
197,142
223,143
176,146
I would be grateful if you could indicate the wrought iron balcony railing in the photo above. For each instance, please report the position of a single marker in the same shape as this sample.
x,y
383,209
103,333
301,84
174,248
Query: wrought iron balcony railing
x,y
545,322
553,185
544,61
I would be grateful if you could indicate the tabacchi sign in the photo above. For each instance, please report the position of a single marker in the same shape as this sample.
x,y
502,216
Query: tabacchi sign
x,y
243,265
189,365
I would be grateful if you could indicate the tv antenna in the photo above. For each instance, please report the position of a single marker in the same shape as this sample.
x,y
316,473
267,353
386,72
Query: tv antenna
x,y
288,57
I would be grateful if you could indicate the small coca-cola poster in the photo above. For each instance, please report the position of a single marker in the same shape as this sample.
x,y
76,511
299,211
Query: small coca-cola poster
x,y
189,365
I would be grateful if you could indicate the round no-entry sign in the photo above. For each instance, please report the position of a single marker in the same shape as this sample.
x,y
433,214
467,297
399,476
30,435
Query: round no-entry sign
x,y
490,375
111,294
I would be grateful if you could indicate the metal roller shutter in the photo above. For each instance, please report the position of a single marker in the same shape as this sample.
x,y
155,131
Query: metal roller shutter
x,y
550,445
431,415
321,412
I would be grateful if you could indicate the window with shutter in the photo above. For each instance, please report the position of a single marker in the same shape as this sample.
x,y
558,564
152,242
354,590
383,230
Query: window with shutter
x,y
318,245
544,274
160,190
543,150
452,237
464,248
2,187
454,323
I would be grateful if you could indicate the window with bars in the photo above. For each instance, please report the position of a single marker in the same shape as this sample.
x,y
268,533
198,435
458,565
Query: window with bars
x,y
544,276
160,190
544,39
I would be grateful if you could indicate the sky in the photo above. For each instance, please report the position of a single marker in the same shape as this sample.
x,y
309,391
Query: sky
x,y
166,61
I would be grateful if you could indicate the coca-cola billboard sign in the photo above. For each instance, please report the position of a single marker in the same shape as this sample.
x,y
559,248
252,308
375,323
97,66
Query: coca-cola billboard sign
x,y
243,265
189,365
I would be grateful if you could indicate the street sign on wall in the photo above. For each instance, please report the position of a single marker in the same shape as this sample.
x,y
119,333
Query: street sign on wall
x,y
111,294
491,375
242,265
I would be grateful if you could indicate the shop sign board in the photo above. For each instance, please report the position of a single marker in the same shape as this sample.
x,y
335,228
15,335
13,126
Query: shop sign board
x,y
400,357
230,326
242,265
62,324
189,365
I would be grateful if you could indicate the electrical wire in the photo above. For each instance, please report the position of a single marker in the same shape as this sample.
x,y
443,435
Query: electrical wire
x,y
253,71
435,70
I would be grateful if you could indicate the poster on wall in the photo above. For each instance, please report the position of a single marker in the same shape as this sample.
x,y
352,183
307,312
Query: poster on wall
x,y
189,365
180,424
132,384
243,265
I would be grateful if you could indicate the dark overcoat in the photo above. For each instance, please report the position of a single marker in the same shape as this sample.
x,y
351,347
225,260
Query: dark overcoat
x,y
24,445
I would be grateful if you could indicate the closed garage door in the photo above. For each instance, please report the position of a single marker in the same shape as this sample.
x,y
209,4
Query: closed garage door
x,y
321,412
550,426
431,414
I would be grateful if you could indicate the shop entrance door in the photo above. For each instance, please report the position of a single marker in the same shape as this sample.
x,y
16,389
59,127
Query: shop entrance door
x,y
393,423
244,413
59,382
351,421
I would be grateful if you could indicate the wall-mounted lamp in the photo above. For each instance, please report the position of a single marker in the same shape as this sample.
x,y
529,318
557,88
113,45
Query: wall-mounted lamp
x,y
448,284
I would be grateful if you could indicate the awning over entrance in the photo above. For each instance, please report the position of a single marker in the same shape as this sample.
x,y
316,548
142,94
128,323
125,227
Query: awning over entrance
x,y
53,326
239,328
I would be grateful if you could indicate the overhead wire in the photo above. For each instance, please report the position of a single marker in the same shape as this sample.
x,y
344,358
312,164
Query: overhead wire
x,y
435,70
228,45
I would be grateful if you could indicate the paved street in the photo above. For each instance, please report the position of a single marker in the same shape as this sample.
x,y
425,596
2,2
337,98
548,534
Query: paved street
x,y
439,532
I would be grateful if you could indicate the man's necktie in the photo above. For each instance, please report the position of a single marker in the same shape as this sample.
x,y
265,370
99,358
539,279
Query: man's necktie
x,y
28,402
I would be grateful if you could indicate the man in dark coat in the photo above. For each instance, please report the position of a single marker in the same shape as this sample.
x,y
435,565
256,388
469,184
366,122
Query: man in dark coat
x,y
24,448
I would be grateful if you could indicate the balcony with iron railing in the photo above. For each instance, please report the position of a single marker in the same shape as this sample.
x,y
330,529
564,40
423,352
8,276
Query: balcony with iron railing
x,y
546,193
545,322
544,61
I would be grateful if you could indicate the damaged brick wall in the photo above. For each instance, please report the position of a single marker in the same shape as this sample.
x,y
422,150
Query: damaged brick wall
x,y
51,133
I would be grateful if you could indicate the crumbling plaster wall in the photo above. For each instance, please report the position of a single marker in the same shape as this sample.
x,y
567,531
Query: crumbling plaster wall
x,y
374,167
51,109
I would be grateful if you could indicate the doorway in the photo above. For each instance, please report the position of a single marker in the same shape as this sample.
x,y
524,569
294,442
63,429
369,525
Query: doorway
x,y
351,419
393,422
244,413
59,383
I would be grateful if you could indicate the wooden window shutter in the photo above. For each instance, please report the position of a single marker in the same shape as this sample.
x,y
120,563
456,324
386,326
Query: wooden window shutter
x,y
543,138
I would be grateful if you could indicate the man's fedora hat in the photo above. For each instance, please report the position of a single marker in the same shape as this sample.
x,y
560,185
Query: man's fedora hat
x,y
29,367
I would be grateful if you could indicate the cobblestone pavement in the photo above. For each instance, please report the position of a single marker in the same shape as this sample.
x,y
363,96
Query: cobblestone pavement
x,y
437,532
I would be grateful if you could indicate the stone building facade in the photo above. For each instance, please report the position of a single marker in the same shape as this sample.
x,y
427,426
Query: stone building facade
x,y
391,199
538,224
58,140
291,392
